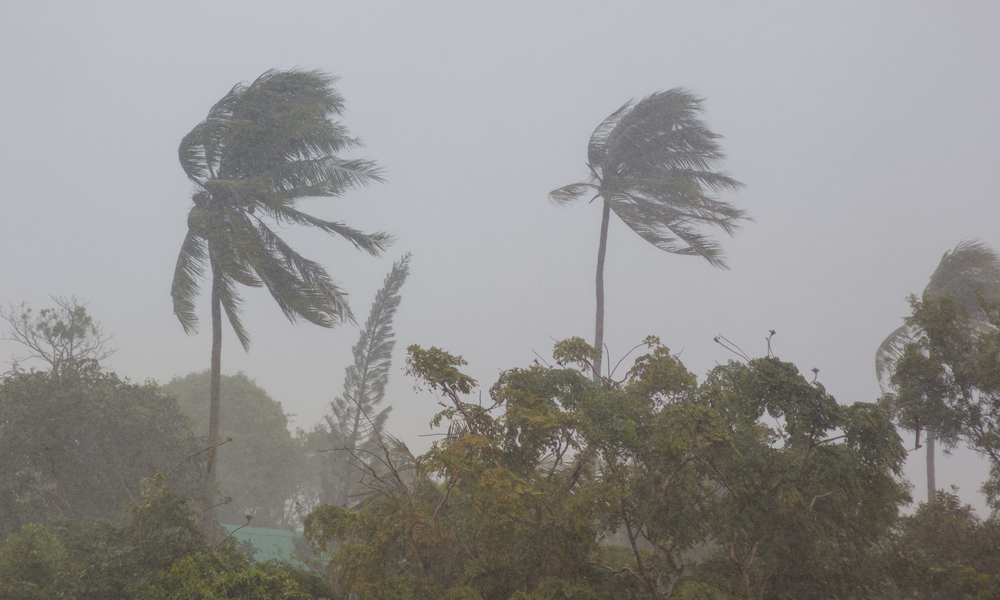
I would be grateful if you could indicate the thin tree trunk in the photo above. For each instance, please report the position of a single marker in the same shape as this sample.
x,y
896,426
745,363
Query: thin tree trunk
x,y
931,485
599,326
347,468
208,518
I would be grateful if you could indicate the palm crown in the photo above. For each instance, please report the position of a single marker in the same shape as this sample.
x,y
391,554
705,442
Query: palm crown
x,y
652,162
970,270
263,147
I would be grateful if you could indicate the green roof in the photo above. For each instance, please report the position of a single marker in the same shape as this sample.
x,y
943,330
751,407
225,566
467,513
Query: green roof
x,y
270,543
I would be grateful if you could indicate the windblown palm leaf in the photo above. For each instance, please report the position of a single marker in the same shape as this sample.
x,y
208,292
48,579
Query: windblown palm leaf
x,y
652,164
263,147
969,270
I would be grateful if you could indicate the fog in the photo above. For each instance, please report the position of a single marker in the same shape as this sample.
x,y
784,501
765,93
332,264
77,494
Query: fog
x,y
866,134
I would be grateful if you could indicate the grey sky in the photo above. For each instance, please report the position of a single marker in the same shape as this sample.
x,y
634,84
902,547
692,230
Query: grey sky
x,y
867,135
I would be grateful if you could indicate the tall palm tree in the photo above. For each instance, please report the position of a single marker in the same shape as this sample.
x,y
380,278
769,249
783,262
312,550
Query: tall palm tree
x,y
966,272
263,147
651,162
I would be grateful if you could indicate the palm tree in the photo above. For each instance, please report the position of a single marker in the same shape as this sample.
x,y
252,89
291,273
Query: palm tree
x,y
263,147
970,270
651,162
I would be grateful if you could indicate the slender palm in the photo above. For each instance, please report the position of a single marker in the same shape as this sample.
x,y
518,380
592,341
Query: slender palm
x,y
651,162
263,147
966,272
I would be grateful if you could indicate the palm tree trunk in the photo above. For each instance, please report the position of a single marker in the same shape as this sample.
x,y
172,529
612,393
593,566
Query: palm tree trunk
x,y
931,485
208,519
602,250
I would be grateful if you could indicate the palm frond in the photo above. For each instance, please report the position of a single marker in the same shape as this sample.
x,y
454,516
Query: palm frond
x,y
184,289
232,306
970,271
569,193
262,147
889,352
653,162
372,243
596,149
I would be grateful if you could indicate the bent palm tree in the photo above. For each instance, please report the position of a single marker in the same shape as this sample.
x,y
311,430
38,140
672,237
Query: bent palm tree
x,y
970,270
263,147
651,163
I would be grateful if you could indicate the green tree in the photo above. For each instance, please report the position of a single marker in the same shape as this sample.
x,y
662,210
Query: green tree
x,y
756,484
811,491
952,372
264,147
78,445
944,551
354,425
262,465
64,336
966,273
154,551
652,163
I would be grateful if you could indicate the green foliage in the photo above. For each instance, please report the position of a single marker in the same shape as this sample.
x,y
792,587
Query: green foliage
x,y
65,337
32,565
813,490
226,574
262,466
77,445
100,559
756,484
353,429
155,551
944,551
263,147
652,161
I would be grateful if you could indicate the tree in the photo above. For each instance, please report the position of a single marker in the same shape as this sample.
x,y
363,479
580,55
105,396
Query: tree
x,y
652,162
155,550
944,550
79,446
950,374
260,468
353,427
263,147
649,487
967,273
65,337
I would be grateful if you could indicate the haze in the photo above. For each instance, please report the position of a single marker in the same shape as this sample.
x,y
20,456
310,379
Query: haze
x,y
867,135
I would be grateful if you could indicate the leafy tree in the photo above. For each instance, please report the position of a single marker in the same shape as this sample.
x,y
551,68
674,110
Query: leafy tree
x,y
652,163
944,551
155,551
263,147
32,564
65,337
262,465
811,493
226,574
953,370
78,445
354,426
651,487
966,273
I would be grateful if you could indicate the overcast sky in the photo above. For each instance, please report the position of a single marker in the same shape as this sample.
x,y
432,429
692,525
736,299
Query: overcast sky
x,y
866,134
